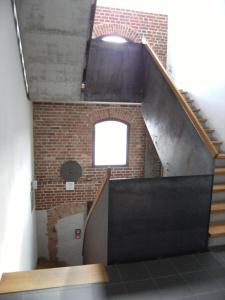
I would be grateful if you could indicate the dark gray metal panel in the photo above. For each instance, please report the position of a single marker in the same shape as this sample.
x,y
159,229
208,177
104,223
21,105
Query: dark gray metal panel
x,y
157,217
152,164
95,249
114,72
180,148
54,37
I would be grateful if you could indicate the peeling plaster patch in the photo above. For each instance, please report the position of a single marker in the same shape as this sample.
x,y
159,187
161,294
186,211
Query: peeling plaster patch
x,y
69,249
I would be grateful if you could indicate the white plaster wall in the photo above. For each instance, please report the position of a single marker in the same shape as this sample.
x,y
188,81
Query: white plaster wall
x,y
17,221
42,233
69,249
196,55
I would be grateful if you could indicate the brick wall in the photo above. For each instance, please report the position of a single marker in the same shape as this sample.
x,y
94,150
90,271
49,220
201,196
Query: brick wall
x,y
134,25
65,132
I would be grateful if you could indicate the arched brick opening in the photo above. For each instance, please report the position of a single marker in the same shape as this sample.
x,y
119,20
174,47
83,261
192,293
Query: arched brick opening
x,y
116,29
111,113
54,215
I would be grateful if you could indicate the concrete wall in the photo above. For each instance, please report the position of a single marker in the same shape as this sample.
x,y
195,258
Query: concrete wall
x,y
17,221
54,36
196,55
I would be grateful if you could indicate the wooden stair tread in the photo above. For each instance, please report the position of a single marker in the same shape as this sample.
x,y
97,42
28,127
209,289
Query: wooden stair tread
x,y
195,110
218,187
217,229
187,96
202,120
49,278
217,142
219,170
209,130
184,92
221,156
218,207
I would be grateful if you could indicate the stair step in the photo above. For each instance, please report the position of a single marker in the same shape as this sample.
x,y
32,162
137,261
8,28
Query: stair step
x,y
202,120
218,171
218,207
219,188
184,92
49,278
196,110
187,96
221,156
208,130
217,241
189,100
217,229
217,142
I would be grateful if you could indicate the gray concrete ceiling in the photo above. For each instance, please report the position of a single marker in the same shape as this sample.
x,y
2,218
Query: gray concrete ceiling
x,y
54,35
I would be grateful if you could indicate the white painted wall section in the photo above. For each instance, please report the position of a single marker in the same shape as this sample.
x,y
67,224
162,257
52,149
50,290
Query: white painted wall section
x,y
196,55
42,233
69,249
17,221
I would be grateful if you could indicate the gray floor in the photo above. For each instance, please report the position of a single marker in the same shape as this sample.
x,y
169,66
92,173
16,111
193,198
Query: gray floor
x,y
200,276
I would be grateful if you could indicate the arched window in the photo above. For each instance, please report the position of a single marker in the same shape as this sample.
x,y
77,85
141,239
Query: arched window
x,y
110,143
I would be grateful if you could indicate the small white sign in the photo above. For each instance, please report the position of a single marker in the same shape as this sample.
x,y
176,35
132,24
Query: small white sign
x,y
70,186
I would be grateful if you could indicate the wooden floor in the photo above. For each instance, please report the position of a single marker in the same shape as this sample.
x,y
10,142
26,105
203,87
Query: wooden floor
x,y
49,278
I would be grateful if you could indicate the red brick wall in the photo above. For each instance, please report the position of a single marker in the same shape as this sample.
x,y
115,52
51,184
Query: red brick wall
x,y
134,25
65,132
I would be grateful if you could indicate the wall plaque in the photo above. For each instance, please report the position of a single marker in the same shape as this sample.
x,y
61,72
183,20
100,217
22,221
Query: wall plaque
x,y
71,171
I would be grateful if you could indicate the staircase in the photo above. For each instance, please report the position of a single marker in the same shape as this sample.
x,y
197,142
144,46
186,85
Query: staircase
x,y
217,219
124,213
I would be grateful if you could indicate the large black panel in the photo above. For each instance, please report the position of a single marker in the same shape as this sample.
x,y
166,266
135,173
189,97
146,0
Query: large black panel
x,y
179,146
158,217
114,72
